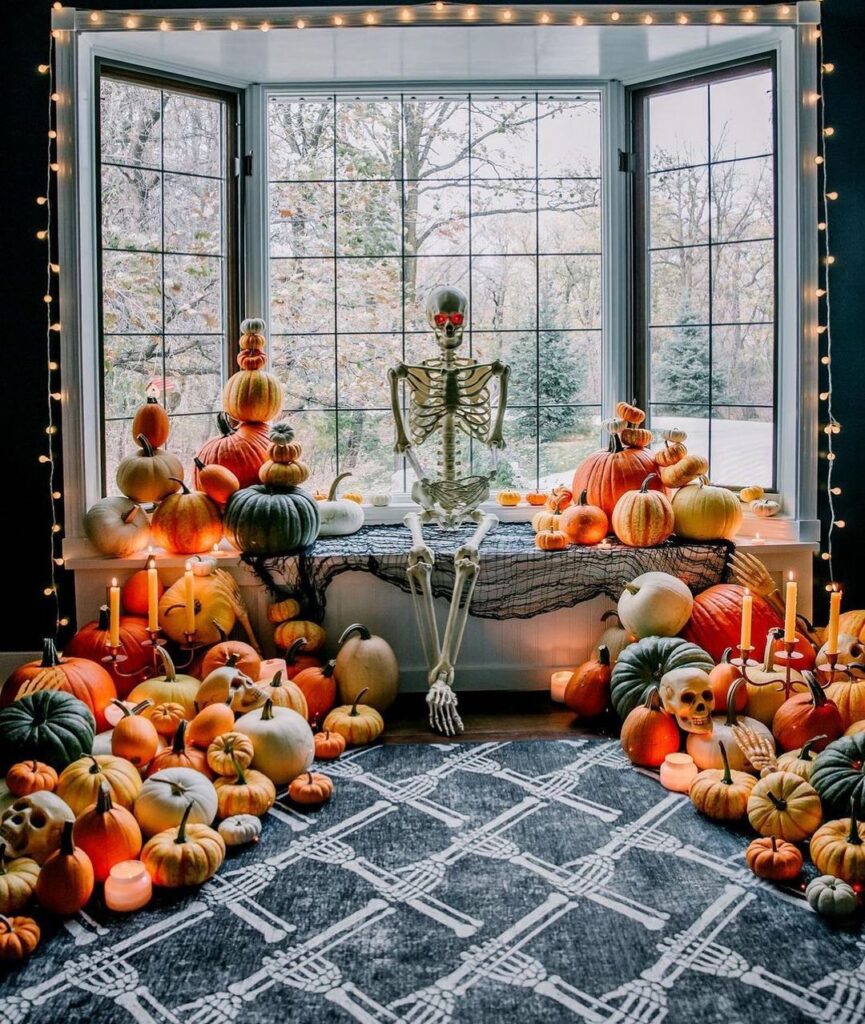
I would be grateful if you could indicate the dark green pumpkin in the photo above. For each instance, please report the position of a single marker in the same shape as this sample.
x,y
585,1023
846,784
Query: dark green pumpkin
x,y
838,776
263,520
641,665
49,726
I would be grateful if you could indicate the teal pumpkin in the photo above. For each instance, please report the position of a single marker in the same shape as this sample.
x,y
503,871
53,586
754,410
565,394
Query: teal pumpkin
x,y
49,726
838,776
262,520
641,665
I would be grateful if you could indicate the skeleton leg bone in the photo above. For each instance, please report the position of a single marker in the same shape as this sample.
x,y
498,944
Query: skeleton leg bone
x,y
419,572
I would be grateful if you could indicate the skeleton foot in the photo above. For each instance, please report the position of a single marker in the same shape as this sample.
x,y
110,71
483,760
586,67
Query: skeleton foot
x,y
443,715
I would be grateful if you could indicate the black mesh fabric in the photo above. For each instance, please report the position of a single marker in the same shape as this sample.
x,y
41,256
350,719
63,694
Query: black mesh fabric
x,y
516,579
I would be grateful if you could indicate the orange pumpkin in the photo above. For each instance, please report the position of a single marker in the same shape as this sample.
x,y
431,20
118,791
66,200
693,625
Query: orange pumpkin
x,y
28,777
588,689
252,396
134,597
179,755
151,421
643,518
636,437
722,677
608,474
66,880
135,737
19,936
217,482
630,413
671,453
319,688
84,679
537,498
583,523
282,611
252,359
295,660
166,717
805,716
551,540
328,745
559,499
91,642
774,859
312,789
107,834
241,449
212,721
649,733
286,633
508,498
231,654
187,522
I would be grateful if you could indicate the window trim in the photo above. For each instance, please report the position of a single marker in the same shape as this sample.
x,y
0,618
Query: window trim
x,y
233,300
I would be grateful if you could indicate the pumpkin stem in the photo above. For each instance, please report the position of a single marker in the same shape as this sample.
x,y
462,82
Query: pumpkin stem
x,y
805,752
127,516
616,445
94,768
309,778
611,613
67,847
292,652
104,619
168,669
731,699
584,497
7,924
181,828
818,694
853,837
224,425
769,652
354,712
331,494
276,682
267,710
50,657
232,660
327,671
727,777
146,445
179,744
183,489
103,799
241,778
774,845
603,654
644,486
199,465
356,627
778,802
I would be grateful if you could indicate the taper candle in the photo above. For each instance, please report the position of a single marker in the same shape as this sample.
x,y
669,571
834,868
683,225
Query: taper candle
x,y
792,597
114,615
747,609
834,616
152,596
190,599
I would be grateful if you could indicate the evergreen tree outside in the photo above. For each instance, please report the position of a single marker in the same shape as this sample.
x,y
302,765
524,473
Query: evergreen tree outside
x,y
684,381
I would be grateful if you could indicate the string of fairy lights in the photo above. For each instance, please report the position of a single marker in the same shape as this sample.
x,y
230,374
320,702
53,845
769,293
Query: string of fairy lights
x,y
434,13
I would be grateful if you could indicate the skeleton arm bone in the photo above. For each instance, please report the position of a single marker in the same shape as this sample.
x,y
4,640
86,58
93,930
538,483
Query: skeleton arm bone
x,y
496,440
403,445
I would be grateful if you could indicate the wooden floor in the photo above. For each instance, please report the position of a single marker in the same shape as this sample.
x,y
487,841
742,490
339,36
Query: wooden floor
x,y
492,715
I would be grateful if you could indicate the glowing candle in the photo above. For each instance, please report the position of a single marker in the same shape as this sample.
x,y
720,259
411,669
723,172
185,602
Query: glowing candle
x,y
558,684
128,886
834,613
190,599
114,615
747,609
152,596
678,772
757,539
790,609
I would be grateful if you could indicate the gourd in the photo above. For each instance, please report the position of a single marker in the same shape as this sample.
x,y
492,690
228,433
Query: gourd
x,y
655,604
281,739
287,634
536,498
328,745
723,678
282,611
134,737
219,684
262,521
357,723
117,527
66,880
831,898
649,733
642,664
252,396
284,693
674,434
800,762
107,834
46,726
240,829
91,642
318,686
169,688
151,421
217,482
630,413
187,522
164,798
365,663
670,454
774,859
588,689
688,468
339,517
32,776
311,789
704,512
560,498
838,848
782,804
166,718
805,716
212,721
179,755
19,936
84,679
584,523
227,751
551,540
608,474
81,782
186,855
17,881
705,748
752,493
716,618
150,474
636,437
614,637
838,775
722,794
241,450
248,792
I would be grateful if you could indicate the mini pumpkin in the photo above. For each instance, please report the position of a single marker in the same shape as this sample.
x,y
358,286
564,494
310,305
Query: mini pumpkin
x,y
17,881
247,792
282,611
831,898
66,880
537,498
670,454
720,793
838,848
649,733
179,755
151,421
800,762
217,482
630,413
186,855
560,498
240,829
227,751
551,540
166,717
753,493
286,633
27,777
508,498
637,437
357,723
135,737
328,745
311,789
19,936
783,804
675,435
583,523
774,859
684,471
766,508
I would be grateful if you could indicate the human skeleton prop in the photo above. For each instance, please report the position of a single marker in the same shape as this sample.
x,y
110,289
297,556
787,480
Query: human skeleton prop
x,y
448,396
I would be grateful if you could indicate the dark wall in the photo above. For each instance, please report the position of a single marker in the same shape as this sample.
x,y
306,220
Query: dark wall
x,y
24,31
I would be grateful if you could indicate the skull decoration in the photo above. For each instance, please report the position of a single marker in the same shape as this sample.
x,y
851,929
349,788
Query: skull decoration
x,y
31,827
687,694
446,310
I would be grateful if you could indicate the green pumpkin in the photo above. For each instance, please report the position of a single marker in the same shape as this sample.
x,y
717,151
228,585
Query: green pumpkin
x,y
49,725
838,776
831,897
641,665
263,520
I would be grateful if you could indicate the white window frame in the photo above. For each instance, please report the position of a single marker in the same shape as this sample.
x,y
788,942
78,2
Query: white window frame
x,y
795,51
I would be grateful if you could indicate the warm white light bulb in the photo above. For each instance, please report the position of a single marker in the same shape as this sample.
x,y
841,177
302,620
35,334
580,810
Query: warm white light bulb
x,y
828,69
835,490
840,523
828,132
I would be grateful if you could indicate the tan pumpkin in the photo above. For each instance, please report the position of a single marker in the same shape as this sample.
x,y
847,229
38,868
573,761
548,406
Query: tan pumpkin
x,y
247,792
186,522
357,723
28,777
765,685
848,693
229,750
218,606
753,493
670,454
81,782
66,880
684,471
252,396
150,474
674,434
537,498
560,498
283,446
800,762
720,793
545,520
783,804
365,663
282,611
838,848
636,437
179,755
551,540
284,693
703,512
186,855
286,633
169,688
643,518
17,882
312,789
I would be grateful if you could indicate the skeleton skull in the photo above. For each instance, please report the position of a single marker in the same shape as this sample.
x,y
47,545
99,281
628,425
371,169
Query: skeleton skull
x,y
687,694
446,310
31,827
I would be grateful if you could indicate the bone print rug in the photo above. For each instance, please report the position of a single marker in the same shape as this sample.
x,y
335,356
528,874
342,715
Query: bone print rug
x,y
530,881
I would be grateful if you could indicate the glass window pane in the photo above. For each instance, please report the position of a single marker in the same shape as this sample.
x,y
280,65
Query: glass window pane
x,y
741,116
566,436
369,219
301,219
742,449
130,123
130,364
743,282
569,138
743,364
693,419
188,434
569,215
435,138
192,134
503,138
300,139
519,351
193,294
369,295
436,217
368,138
317,433
194,363
306,365
679,283
131,293
569,292
301,296
131,208
193,214
366,442
679,206
503,293
362,366
570,367
743,199
517,463
678,126
504,218
681,374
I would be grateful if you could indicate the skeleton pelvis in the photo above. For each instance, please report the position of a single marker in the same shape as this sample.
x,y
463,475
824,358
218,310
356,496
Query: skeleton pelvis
x,y
456,496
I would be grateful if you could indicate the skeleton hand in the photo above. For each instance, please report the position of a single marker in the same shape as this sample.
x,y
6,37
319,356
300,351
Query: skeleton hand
x,y
443,716
749,571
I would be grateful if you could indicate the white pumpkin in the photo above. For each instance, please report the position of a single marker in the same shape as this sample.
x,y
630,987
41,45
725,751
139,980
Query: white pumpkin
x,y
165,796
240,829
765,508
366,663
655,604
282,741
615,637
380,500
338,516
704,512
117,527
705,747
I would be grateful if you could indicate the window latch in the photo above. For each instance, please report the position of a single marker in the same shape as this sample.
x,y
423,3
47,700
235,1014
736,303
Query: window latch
x,y
626,162
247,165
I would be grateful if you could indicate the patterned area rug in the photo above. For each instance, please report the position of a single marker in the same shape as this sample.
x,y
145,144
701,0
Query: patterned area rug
x,y
530,881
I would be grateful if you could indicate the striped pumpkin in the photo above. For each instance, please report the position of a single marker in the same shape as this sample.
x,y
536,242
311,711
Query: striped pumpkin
x,y
252,395
262,521
643,518
187,522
